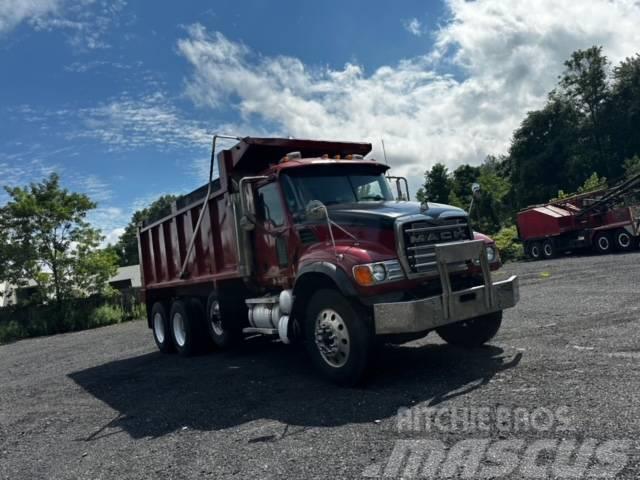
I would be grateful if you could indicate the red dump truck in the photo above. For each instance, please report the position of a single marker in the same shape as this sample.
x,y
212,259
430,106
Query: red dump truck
x,y
304,241
604,220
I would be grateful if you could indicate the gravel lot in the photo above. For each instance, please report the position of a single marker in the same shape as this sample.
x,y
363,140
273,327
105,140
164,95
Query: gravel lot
x,y
105,404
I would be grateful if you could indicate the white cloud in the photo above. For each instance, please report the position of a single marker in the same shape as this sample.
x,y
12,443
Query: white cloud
x,y
508,55
85,22
112,237
128,123
13,12
413,26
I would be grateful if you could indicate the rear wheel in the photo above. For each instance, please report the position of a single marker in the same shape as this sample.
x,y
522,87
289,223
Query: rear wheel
x,y
602,243
535,251
186,326
218,323
338,337
623,240
473,332
548,249
160,328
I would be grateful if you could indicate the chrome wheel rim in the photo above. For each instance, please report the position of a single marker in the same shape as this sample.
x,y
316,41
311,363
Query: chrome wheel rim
x,y
535,251
332,338
158,327
179,330
603,243
216,319
624,240
548,250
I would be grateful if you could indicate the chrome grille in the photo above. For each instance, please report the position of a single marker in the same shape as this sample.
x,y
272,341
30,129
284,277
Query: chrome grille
x,y
420,238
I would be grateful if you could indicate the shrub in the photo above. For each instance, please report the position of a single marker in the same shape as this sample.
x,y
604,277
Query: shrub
x,y
11,331
508,245
105,315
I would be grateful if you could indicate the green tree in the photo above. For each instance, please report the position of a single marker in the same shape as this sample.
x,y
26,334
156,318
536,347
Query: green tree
x,y
462,178
625,108
127,246
437,185
632,166
46,238
585,83
594,182
544,155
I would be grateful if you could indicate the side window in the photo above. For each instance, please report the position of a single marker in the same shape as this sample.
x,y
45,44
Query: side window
x,y
270,205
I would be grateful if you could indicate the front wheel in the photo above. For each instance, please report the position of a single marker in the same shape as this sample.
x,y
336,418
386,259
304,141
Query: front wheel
x,y
338,337
473,332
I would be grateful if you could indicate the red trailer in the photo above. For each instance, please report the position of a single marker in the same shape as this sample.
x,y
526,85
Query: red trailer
x,y
604,220
303,240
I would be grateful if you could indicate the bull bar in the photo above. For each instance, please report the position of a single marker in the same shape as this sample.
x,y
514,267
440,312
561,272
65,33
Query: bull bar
x,y
451,306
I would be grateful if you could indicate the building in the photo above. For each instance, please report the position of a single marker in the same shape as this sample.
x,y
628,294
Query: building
x,y
126,278
11,295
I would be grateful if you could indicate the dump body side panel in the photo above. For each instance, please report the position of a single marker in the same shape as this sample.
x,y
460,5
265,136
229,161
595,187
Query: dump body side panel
x,y
544,221
163,245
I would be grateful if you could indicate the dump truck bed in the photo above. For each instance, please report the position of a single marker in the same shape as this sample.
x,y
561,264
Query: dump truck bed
x,y
163,244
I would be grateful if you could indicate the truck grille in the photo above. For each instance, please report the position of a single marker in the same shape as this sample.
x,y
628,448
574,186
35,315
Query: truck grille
x,y
420,238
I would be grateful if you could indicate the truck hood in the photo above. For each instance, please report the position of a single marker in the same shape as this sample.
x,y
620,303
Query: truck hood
x,y
383,214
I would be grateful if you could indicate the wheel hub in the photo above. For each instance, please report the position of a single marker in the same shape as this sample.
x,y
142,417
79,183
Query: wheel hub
x,y
215,318
332,338
624,240
158,327
179,330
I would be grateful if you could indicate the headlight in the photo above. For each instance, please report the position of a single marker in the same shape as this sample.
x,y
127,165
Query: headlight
x,y
380,272
492,254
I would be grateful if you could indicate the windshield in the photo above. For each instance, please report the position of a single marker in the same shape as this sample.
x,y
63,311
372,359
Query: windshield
x,y
333,185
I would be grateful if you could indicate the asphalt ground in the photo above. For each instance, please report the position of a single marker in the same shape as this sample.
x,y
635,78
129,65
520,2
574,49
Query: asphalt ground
x,y
105,404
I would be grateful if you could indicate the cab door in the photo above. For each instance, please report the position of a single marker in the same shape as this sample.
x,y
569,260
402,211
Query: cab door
x,y
272,234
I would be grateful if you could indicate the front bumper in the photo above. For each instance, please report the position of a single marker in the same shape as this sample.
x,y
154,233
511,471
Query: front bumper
x,y
452,306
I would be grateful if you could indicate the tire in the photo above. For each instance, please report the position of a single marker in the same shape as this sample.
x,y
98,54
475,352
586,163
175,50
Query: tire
x,y
186,321
338,337
218,319
623,240
602,243
473,332
548,249
160,328
535,250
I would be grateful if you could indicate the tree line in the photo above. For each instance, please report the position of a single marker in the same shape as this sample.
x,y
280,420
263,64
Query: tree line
x,y
587,135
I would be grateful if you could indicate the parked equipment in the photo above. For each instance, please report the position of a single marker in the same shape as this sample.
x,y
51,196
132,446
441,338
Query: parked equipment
x,y
604,220
303,240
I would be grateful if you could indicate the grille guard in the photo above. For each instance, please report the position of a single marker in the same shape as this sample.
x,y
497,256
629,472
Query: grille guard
x,y
451,306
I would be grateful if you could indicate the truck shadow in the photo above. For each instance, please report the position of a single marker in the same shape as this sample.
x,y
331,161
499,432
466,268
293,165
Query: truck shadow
x,y
155,394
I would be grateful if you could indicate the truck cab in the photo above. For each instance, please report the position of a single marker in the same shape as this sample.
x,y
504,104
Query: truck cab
x,y
331,256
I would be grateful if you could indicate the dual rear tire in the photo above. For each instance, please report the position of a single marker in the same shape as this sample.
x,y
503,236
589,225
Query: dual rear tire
x,y
182,329
541,250
619,240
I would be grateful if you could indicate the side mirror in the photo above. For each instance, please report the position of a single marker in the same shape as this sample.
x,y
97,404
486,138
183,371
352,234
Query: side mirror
x,y
315,210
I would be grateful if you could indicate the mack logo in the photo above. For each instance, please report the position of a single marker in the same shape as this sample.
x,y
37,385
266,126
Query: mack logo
x,y
442,236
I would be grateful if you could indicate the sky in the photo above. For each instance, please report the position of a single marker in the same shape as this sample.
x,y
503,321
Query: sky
x,y
121,98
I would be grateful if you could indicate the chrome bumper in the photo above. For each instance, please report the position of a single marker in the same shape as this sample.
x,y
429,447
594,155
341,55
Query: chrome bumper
x,y
452,306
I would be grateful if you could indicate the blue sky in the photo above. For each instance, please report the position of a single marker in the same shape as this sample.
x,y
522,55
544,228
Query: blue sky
x,y
121,97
